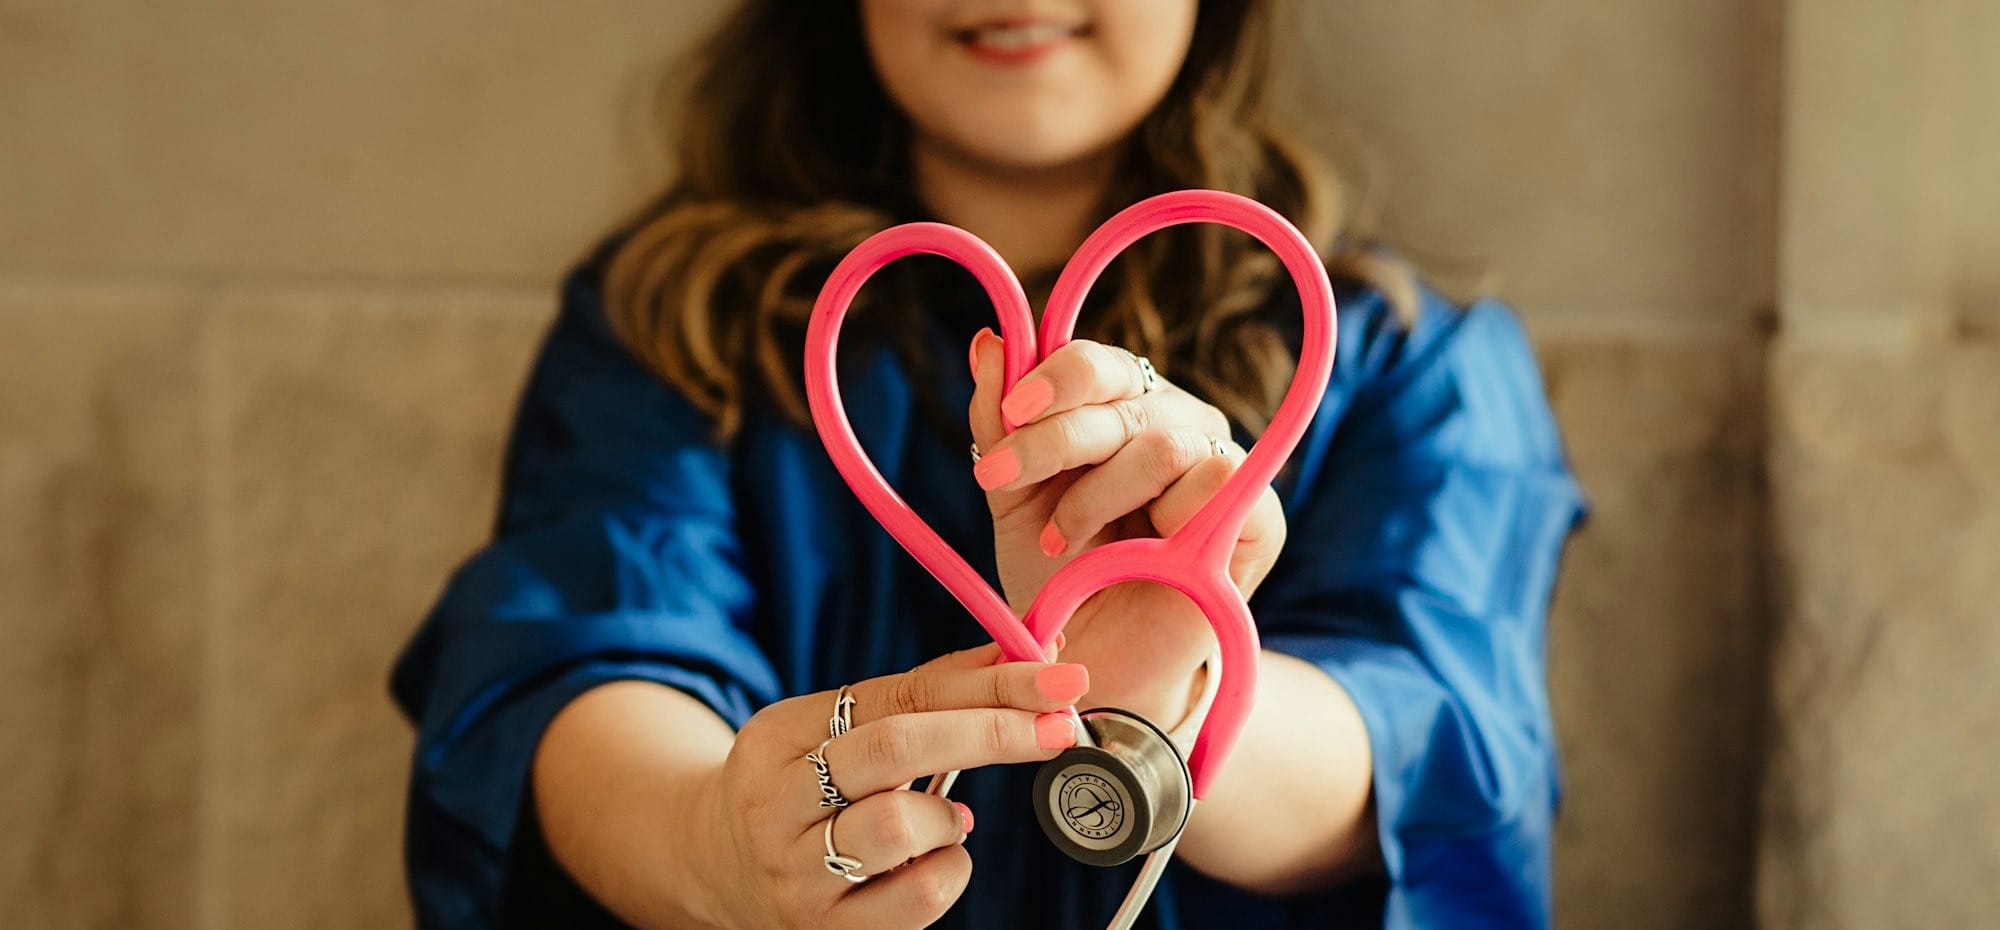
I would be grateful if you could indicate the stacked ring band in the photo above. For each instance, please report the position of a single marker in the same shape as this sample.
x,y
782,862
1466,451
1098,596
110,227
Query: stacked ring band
x,y
846,867
1149,380
829,795
843,713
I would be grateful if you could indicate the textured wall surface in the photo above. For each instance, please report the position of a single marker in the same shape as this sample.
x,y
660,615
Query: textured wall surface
x,y
270,275
1880,810
1611,167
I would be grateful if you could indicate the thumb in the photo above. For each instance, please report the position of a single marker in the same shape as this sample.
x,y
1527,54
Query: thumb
x,y
988,371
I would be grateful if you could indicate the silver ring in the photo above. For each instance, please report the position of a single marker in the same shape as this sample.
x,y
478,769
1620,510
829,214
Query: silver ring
x,y
975,453
846,867
1149,380
843,713
829,796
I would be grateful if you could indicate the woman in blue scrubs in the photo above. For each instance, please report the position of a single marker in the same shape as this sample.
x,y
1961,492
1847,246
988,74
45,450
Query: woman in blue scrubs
x,y
617,697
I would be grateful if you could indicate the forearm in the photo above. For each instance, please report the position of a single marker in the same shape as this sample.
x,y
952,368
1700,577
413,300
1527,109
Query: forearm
x,y
619,777
1290,812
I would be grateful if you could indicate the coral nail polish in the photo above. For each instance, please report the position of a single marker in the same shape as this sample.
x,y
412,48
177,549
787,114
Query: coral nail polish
x,y
978,339
1027,400
1052,540
964,817
1063,682
1054,731
997,468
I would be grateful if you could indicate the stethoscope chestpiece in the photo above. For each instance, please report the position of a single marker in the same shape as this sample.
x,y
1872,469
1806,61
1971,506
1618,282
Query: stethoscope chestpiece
x,y
1125,796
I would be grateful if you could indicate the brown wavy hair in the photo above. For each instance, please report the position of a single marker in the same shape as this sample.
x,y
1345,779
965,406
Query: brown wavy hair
x,y
790,153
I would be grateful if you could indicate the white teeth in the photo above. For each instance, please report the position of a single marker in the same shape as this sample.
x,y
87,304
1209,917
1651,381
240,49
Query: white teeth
x,y
1015,38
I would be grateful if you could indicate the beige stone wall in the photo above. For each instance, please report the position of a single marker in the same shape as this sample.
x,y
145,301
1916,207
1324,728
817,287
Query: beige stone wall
x,y
1880,810
270,275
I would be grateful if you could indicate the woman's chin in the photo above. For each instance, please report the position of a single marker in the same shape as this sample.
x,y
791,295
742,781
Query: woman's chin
x,y
1028,155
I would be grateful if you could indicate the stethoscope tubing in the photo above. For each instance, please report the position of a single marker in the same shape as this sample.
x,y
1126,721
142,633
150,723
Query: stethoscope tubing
x,y
1193,560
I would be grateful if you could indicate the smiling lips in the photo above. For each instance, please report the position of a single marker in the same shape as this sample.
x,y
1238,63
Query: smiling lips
x,y
1014,42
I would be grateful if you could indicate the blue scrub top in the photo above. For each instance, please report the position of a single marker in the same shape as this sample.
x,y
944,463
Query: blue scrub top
x,y
1427,507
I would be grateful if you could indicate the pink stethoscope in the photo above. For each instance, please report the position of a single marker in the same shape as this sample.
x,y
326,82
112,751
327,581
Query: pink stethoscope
x,y
1124,789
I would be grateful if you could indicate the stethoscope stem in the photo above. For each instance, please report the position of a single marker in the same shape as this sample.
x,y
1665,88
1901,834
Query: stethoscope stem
x,y
1142,888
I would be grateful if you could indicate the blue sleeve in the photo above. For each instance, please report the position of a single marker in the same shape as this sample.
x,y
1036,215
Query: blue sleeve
x,y
1427,516
616,557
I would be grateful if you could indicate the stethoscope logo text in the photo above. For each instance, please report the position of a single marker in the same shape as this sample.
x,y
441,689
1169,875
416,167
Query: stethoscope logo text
x,y
1091,807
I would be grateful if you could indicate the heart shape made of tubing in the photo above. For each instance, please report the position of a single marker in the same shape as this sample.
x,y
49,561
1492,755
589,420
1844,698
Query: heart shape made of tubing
x,y
1194,560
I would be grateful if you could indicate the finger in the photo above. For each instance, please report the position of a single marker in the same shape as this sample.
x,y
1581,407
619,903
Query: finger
x,y
1144,469
883,831
988,371
953,681
913,896
1080,373
1179,503
1030,686
1090,436
895,751
975,657
1263,533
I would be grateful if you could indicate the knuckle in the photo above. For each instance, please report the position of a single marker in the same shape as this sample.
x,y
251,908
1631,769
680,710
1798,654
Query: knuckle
x,y
934,890
1191,448
1055,441
907,695
895,826
998,733
1133,417
1165,454
894,741
1000,688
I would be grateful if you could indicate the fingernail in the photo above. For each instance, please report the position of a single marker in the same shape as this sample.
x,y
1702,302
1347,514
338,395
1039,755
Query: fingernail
x,y
1063,682
1053,542
978,339
964,817
1027,400
1060,640
997,468
1054,731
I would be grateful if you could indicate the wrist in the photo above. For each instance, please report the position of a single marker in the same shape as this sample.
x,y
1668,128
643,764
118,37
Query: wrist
x,y
697,849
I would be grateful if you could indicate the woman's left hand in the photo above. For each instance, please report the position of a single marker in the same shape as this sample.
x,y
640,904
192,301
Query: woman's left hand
x,y
1096,457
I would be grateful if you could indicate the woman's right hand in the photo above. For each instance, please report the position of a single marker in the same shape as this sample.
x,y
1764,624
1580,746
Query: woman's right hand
x,y
762,818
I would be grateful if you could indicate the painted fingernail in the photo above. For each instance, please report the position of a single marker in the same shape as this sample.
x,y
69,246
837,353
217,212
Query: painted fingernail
x,y
1054,731
1052,540
1060,640
1063,682
997,468
964,817
1027,400
979,339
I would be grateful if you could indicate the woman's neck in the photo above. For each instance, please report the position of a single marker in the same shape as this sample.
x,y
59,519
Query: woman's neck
x,y
1033,218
